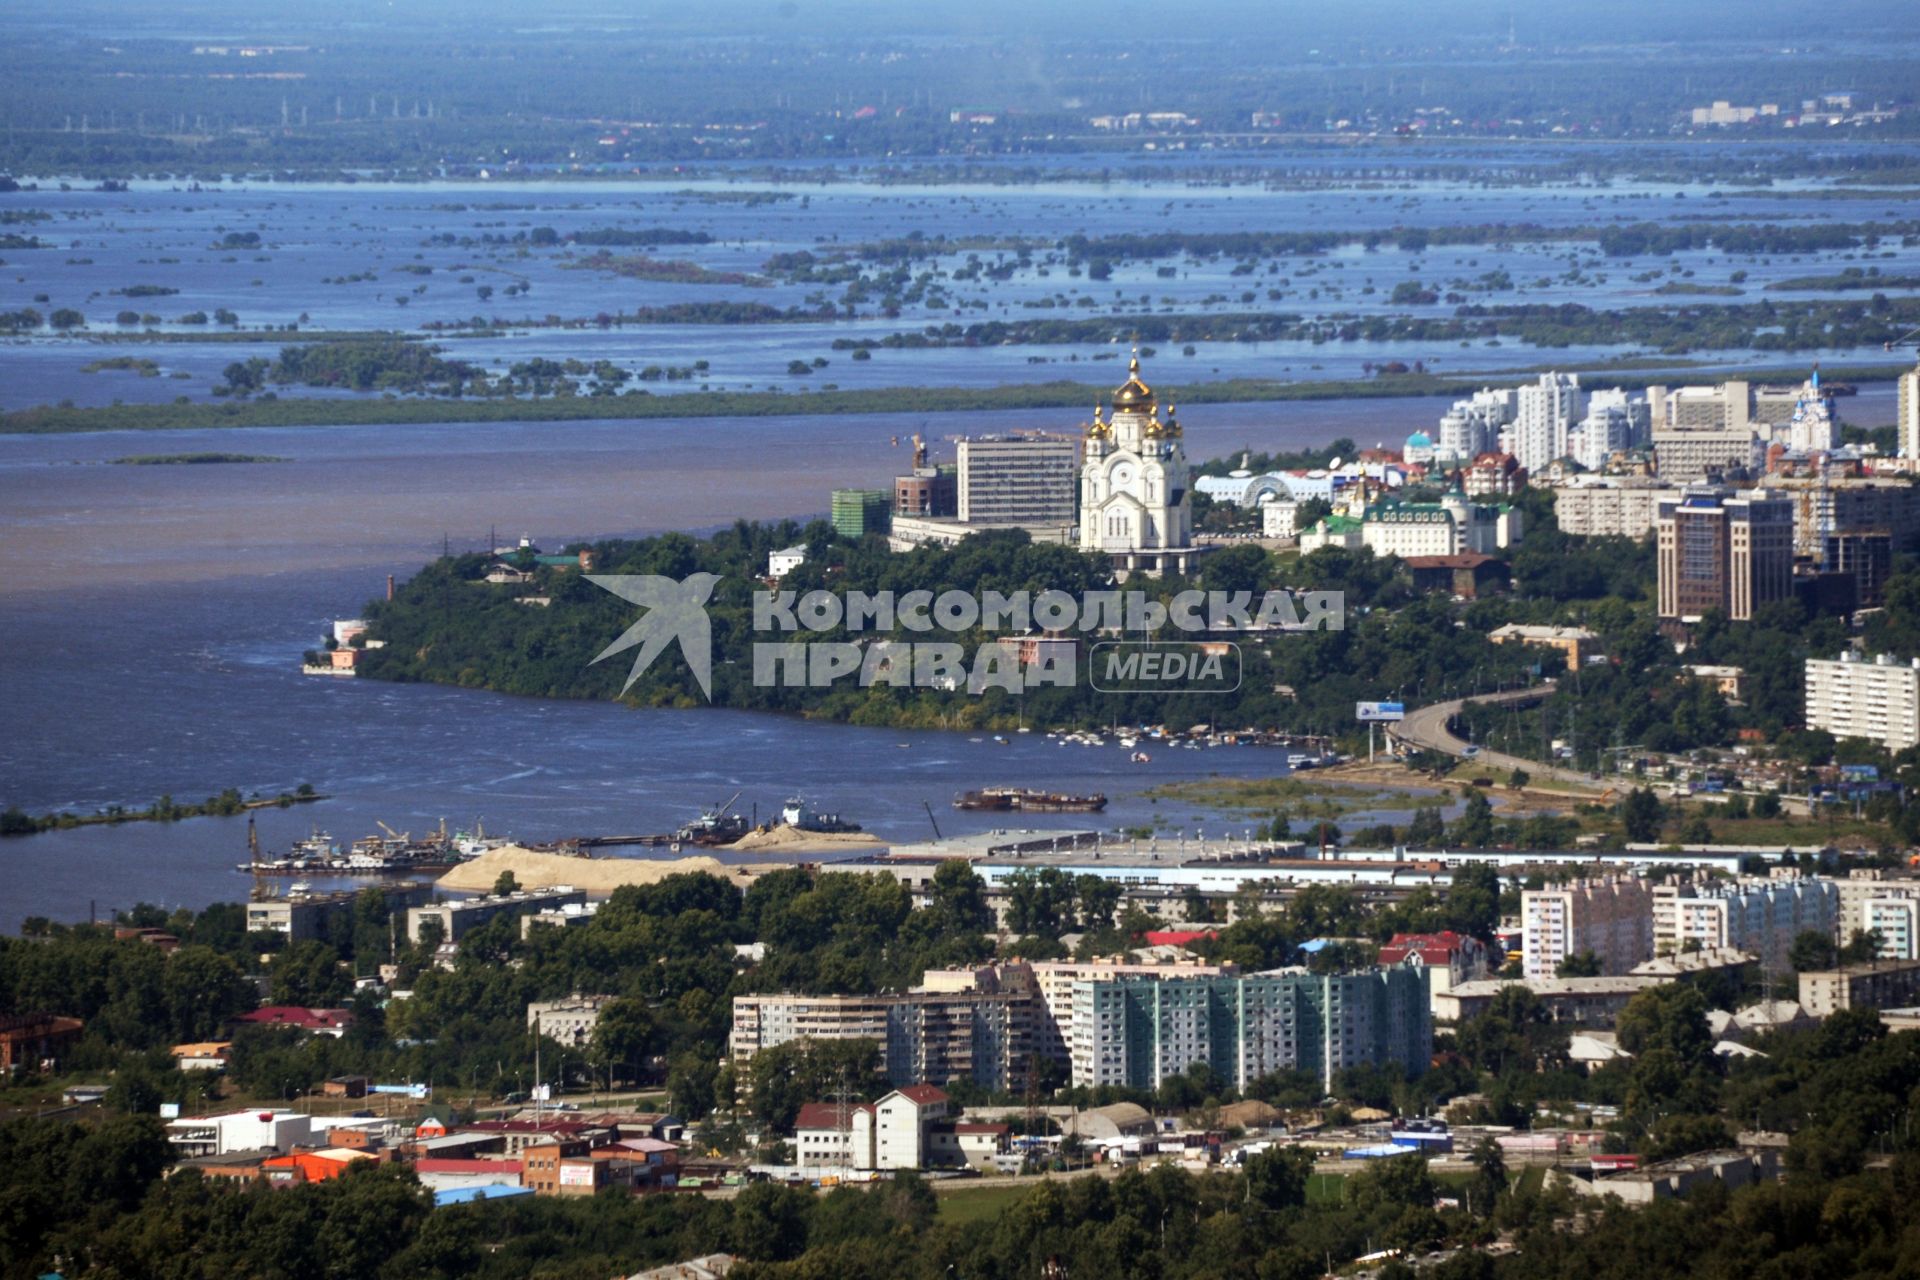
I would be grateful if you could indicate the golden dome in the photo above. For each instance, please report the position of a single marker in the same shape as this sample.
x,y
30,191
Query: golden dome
x,y
1097,427
1133,396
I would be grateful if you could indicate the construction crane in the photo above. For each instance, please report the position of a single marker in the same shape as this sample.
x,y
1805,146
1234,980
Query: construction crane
x,y
1908,339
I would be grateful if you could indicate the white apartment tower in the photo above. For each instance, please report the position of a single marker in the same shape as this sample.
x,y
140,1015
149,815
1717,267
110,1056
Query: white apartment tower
x,y
1878,700
1472,427
1907,416
1544,415
1615,422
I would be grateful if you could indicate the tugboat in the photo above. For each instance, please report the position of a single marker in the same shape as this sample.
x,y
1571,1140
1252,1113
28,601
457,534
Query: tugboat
x,y
799,815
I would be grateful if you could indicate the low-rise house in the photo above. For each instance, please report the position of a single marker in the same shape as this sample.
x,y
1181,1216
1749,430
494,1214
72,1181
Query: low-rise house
x,y
910,1128
1672,1179
548,1163
784,561
1583,1002
36,1040
518,1135
712,1266
1576,644
309,1166
446,1173
1117,1120
1881,984
1448,958
210,1055
322,1022
275,1132
1469,574
569,1020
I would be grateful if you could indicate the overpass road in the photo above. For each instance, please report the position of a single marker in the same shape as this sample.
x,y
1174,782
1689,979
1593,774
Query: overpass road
x,y
1426,728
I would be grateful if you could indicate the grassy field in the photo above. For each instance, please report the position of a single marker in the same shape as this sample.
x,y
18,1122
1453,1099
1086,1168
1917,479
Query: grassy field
x,y
1300,797
980,1204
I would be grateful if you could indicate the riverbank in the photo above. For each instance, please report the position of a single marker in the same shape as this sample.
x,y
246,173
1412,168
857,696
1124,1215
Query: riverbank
x,y
227,804
295,411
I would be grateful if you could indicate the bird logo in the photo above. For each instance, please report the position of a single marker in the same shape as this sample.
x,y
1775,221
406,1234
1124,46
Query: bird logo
x,y
675,610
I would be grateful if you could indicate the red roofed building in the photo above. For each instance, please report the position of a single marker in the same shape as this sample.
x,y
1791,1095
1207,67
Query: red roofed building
x,y
897,1132
325,1022
309,1166
1177,937
1494,475
1448,957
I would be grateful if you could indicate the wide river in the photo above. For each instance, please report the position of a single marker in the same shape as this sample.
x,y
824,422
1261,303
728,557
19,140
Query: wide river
x,y
152,619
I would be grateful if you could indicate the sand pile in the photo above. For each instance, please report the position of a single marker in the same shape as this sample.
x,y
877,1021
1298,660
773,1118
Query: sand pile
x,y
595,875
786,839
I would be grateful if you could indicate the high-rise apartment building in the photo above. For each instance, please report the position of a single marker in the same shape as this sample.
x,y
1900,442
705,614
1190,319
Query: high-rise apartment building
x,y
1895,923
1907,414
1615,422
1609,506
1879,700
1138,1033
1731,552
1017,480
1759,917
1610,919
1473,426
983,1036
1544,414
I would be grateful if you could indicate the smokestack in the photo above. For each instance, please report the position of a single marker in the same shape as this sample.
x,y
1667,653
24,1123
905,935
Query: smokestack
x,y
389,586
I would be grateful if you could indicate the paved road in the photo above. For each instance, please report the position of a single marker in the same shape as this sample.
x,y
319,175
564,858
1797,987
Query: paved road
x,y
1426,728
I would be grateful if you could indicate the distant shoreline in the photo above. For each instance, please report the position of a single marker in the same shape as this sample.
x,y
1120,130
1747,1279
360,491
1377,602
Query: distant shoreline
x,y
297,411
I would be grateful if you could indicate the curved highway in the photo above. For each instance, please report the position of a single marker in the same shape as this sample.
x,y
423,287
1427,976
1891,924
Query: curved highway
x,y
1425,728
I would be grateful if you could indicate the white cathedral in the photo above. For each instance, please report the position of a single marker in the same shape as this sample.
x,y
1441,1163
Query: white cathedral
x,y
1134,500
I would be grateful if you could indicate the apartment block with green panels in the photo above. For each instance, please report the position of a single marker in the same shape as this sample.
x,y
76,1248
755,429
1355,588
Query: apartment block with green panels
x,y
1138,1032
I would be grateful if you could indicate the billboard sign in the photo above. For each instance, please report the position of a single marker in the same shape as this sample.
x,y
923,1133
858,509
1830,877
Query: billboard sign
x,y
1373,712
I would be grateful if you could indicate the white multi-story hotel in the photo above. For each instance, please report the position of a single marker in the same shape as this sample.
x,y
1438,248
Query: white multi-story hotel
x,y
1879,700
1612,919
